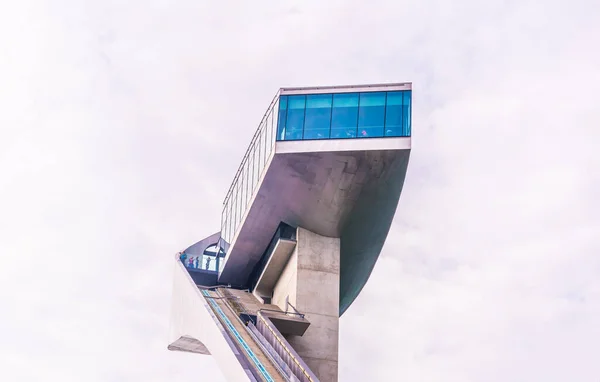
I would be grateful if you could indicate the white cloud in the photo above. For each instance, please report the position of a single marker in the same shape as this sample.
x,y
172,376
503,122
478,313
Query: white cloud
x,y
121,127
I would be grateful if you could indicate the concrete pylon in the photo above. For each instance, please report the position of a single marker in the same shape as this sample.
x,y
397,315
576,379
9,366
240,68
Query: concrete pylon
x,y
310,281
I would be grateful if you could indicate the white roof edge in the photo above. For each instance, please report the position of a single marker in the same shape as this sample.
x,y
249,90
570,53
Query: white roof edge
x,y
333,145
345,88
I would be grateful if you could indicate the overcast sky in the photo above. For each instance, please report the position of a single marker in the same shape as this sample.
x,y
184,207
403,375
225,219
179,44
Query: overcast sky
x,y
122,124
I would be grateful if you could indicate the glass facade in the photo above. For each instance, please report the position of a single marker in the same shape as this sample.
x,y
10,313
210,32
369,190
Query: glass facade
x,y
344,115
312,117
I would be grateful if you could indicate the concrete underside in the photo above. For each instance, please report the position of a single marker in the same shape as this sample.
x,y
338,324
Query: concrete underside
x,y
352,195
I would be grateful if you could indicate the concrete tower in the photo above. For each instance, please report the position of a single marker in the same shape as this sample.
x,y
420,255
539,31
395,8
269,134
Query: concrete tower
x,y
302,226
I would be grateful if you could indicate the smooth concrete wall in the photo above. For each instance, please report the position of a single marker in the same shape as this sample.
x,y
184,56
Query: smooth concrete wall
x,y
191,317
311,281
275,265
287,283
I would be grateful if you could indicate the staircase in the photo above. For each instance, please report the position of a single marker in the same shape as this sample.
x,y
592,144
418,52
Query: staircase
x,y
252,331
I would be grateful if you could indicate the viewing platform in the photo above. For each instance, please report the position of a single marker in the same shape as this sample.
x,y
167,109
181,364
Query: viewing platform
x,y
301,229
329,159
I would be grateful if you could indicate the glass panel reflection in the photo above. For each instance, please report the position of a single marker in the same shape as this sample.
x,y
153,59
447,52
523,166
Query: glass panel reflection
x,y
282,118
344,116
295,117
406,107
371,112
317,116
393,114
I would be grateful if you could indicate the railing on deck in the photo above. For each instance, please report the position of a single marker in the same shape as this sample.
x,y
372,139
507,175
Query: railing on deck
x,y
377,111
249,173
201,262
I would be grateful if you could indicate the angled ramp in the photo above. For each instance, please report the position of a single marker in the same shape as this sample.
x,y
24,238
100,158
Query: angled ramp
x,y
194,328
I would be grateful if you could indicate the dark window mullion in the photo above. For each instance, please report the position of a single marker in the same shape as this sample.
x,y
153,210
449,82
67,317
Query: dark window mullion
x,y
330,117
304,118
287,112
358,115
384,114
409,112
402,133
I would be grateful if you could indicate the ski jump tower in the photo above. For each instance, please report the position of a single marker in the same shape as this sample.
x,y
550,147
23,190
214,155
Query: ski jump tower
x,y
302,226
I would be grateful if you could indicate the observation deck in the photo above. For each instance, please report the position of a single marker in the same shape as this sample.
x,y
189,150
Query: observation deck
x,y
329,159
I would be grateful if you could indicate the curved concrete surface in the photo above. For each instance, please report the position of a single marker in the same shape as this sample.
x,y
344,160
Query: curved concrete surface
x,y
201,246
367,228
342,188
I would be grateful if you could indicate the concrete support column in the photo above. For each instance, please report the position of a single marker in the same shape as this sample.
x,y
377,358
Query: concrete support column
x,y
311,282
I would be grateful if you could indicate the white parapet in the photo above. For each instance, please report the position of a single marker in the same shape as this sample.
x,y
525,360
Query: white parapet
x,y
195,329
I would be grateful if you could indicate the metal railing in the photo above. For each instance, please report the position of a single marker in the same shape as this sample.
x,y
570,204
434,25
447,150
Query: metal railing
x,y
296,313
289,374
266,336
201,262
249,173
288,303
285,350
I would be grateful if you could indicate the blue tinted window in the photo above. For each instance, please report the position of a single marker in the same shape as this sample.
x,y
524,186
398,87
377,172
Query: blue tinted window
x,y
295,117
344,115
282,117
318,116
407,113
393,115
371,114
